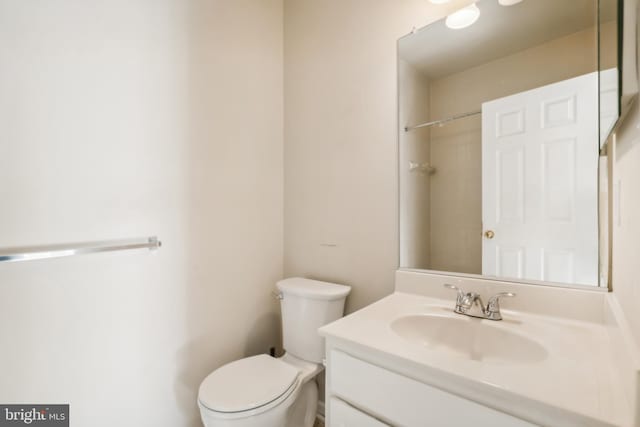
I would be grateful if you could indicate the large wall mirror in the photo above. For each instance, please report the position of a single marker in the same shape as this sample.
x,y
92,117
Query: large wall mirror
x,y
504,111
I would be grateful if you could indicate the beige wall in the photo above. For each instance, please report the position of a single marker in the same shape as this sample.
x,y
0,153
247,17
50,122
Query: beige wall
x,y
626,218
130,118
341,134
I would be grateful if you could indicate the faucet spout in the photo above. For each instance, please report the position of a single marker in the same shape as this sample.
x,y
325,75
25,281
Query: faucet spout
x,y
473,305
470,304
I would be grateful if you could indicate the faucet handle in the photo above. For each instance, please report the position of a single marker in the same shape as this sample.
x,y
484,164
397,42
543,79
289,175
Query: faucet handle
x,y
460,292
493,306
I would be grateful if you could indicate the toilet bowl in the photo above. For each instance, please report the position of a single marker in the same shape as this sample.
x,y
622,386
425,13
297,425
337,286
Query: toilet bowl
x,y
262,391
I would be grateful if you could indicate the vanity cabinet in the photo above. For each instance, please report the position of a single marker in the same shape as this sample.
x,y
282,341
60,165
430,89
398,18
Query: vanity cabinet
x,y
345,415
363,394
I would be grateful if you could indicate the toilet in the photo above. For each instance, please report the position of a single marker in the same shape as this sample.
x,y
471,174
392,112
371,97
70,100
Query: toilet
x,y
262,391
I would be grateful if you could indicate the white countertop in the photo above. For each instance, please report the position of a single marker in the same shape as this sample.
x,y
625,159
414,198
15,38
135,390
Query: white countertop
x,y
575,385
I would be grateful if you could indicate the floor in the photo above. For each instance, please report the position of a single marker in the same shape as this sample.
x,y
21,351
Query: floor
x,y
318,423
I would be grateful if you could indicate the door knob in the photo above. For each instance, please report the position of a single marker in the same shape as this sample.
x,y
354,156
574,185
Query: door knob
x,y
489,234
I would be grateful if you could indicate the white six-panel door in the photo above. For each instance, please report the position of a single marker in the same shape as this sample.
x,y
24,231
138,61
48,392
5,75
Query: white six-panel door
x,y
539,183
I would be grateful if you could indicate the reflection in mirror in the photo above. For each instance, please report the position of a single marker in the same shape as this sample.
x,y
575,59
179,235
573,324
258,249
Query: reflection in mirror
x,y
609,71
499,146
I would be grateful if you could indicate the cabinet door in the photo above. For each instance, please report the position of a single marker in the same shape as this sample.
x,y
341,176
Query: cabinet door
x,y
343,415
405,402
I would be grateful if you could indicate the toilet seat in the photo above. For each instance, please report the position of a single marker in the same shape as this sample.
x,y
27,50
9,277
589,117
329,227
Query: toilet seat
x,y
248,386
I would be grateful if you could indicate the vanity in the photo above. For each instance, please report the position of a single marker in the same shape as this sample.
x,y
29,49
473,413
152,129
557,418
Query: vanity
x,y
560,357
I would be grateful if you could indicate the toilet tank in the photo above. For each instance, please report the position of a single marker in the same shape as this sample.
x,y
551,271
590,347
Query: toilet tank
x,y
306,306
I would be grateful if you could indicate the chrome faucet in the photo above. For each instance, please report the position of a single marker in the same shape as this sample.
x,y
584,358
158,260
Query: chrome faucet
x,y
470,304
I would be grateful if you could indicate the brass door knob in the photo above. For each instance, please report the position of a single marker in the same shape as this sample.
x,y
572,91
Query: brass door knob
x,y
489,234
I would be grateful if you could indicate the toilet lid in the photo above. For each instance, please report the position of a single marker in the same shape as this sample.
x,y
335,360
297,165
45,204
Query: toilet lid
x,y
246,384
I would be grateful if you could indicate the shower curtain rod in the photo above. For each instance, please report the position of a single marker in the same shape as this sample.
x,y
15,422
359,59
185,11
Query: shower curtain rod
x,y
71,249
441,121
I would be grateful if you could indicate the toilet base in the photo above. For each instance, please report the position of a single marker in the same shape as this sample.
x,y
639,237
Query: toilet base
x,y
303,411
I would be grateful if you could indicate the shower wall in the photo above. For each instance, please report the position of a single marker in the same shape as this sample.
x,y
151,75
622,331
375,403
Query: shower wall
x,y
415,231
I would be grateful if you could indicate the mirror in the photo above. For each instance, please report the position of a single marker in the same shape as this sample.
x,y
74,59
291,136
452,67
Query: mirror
x,y
610,32
502,124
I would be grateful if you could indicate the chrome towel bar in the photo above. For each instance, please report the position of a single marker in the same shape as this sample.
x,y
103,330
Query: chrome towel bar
x,y
57,251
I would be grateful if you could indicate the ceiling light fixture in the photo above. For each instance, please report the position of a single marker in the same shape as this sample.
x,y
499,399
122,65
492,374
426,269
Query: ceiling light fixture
x,y
508,2
463,18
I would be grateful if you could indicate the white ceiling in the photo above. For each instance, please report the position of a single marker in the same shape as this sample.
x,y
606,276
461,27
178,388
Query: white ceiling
x,y
439,51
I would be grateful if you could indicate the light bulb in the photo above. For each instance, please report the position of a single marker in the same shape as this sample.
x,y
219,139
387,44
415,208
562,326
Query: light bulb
x,y
463,17
508,2
438,1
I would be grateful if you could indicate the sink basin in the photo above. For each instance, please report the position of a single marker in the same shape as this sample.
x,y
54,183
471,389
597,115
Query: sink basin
x,y
468,337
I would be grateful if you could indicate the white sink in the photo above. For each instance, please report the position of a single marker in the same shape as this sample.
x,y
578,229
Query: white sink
x,y
553,365
468,337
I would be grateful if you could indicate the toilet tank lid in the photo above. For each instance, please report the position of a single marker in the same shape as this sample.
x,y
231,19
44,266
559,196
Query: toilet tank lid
x,y
313,289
